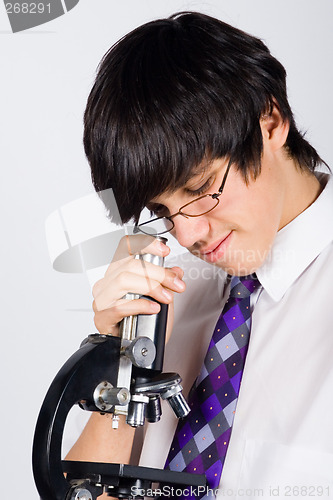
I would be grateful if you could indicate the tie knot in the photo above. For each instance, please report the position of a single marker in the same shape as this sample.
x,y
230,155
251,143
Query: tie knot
x,y
243,286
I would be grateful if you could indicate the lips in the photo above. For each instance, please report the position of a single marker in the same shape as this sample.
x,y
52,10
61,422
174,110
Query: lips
x,y
215,251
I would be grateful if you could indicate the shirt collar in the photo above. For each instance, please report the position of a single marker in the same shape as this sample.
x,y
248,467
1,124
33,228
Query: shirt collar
x,y
299,243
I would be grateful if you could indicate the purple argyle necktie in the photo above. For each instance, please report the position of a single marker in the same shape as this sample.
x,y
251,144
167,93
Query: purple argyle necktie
x,y
201,440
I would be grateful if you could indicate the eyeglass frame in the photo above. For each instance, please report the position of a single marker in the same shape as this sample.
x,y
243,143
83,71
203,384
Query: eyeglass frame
x,y
215,196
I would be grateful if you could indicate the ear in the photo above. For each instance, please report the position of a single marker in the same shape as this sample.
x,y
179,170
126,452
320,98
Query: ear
x,y
274,130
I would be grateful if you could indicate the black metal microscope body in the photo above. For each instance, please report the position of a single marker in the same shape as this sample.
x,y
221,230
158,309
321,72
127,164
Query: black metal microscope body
x,y
116,375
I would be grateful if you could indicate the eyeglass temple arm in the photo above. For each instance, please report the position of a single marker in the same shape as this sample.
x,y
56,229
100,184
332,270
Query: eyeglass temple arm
x,y
223,181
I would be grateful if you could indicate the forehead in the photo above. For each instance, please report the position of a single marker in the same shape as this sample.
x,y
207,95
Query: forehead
x,y
198,173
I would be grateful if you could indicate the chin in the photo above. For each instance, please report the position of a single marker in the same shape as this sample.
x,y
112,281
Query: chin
x,y
238,268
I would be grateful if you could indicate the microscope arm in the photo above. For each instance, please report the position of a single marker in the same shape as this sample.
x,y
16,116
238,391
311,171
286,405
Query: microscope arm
x,y
75,383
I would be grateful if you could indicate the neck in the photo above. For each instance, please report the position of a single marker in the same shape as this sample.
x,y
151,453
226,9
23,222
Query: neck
x,y
301,190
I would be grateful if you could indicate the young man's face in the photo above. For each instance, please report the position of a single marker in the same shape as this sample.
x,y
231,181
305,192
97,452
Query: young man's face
x,y
238,234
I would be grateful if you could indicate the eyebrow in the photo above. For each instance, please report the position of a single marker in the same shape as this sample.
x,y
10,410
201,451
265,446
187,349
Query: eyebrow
x,y
202,171
198,170
202,168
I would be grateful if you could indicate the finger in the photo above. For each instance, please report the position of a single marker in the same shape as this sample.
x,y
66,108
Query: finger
x,y
139,285
170,278
164,275
105,324
140,244
122,258
106,321
136,277
179,271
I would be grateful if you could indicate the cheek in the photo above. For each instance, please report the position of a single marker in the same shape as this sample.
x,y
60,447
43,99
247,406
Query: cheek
x,y
263,213
253,208
259,204
253,213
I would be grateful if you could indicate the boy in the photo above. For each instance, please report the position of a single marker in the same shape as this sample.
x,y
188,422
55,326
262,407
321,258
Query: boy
x,y
190,118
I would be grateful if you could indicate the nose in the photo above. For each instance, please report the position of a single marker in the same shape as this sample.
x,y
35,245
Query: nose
x,y
189,230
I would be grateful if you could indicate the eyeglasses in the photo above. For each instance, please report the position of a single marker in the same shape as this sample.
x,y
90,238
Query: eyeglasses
x,y
200,206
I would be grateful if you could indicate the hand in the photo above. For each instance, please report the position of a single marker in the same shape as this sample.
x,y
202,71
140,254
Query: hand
x,y
126,274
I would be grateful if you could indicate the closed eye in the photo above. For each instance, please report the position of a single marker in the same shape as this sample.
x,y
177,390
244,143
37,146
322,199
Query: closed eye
x,y
202,189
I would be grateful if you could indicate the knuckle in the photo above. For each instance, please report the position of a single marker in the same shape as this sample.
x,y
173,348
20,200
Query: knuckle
x,y
123,278
98,323
110,267
133,264
125,245
170,274
97,287
97,306
116,308
122,240
104,323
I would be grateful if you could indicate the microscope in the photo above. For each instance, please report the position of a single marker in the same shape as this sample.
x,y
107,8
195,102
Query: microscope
x,y
120,376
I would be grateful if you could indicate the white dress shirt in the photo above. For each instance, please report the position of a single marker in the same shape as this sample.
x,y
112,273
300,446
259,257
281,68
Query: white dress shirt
x,y
282,438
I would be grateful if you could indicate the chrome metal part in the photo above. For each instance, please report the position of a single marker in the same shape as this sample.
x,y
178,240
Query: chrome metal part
x,y
176,400
137,410
141,351
168,387
115,421
143,325
162,383
124,380
179,405
127,327
106,396
134,326
81,494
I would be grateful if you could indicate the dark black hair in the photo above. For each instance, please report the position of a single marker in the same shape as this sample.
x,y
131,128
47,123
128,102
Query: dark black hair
x,y
178,91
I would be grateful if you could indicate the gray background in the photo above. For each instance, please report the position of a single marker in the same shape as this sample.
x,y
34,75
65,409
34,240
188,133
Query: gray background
x,y
46,76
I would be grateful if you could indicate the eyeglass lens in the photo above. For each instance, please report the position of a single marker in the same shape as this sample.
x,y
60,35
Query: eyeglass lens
x,y
192,209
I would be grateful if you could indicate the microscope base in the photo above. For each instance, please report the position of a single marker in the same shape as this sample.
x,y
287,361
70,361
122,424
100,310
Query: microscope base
x,y
128,481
